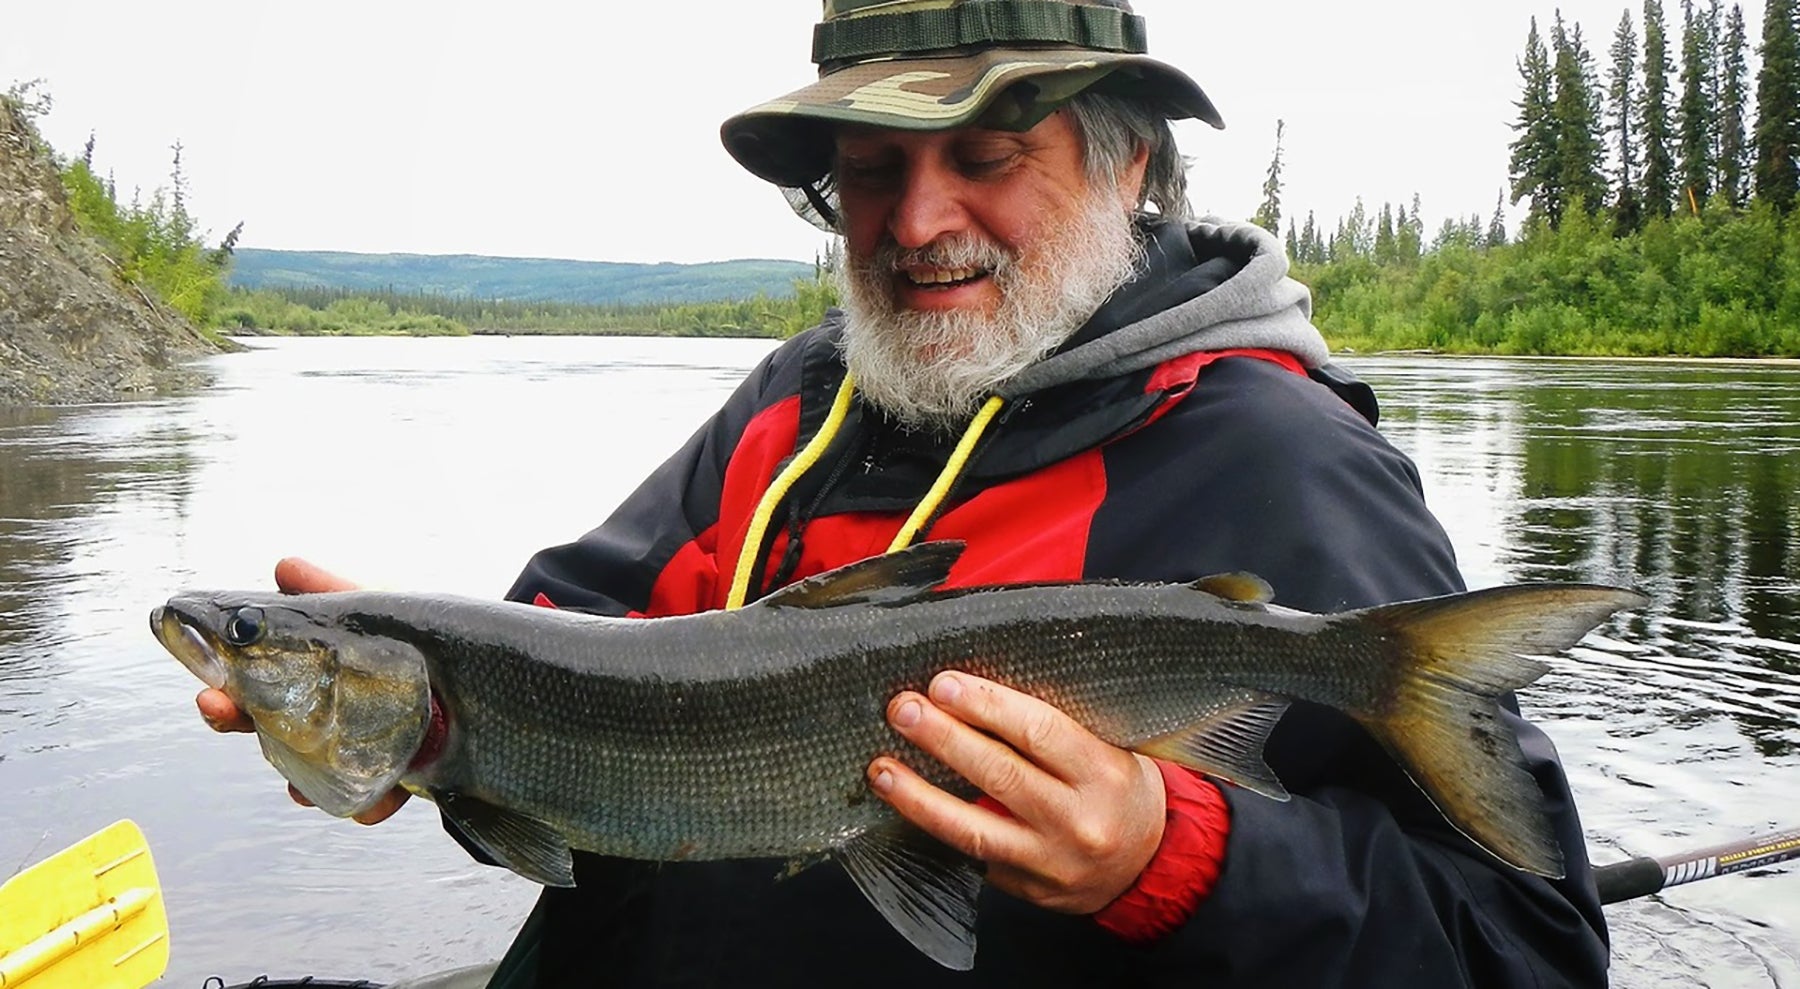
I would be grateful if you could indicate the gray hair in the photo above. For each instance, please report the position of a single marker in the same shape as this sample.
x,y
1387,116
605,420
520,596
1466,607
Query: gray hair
x,y
1112,129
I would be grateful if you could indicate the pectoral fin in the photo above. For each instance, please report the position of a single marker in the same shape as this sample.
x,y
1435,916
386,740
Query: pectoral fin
x,y
523,844
1228,743
923,888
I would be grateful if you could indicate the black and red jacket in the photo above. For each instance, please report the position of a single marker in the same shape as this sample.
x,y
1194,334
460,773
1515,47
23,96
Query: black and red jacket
x,y
1204,462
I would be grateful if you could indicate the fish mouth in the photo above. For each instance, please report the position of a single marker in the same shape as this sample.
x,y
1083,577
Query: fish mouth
x,y
189,645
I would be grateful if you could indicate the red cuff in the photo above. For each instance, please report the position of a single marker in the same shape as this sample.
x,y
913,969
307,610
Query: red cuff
x,y
1185,866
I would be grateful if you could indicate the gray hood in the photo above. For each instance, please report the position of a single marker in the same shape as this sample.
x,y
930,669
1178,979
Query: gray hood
x,y
1211,285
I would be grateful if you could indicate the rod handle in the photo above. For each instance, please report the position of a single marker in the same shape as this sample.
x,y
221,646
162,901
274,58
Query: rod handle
x,y
1628,880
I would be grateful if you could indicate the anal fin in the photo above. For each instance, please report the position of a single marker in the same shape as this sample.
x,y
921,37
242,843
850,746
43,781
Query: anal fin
x,y
1228,743
523,844
923,888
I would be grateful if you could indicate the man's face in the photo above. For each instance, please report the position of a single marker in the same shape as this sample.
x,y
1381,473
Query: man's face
x,y
913,189
971,253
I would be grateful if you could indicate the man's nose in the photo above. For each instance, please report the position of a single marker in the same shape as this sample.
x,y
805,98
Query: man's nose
x,y
930,205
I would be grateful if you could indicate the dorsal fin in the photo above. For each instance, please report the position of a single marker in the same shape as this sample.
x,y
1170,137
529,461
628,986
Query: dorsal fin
x,y
892,579
1244,588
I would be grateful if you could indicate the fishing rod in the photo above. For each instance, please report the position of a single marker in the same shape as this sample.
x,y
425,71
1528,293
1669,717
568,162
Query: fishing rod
x,y
1637,877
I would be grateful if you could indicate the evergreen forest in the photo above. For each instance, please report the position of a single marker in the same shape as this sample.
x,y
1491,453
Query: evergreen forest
x,y
1660,193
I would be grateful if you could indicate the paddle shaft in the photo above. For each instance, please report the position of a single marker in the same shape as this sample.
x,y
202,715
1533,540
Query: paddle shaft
x,y
1637,877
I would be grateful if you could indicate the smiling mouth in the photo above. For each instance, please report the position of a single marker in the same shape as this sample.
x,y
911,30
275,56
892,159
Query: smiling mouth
x,y
942,278
188,645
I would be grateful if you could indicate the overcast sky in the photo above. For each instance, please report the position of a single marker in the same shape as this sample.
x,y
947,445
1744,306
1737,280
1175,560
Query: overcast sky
x,y
590,130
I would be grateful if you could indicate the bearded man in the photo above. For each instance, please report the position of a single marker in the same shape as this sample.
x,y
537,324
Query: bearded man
x,y
1042,355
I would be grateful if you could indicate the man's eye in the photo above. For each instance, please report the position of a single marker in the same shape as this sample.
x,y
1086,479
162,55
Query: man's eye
x,y
867,174
978,167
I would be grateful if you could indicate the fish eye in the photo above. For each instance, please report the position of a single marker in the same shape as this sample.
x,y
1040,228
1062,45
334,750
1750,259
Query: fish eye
x,y
244,627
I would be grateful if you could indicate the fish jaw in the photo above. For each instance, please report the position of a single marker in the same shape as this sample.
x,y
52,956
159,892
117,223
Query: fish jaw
x,y
190,646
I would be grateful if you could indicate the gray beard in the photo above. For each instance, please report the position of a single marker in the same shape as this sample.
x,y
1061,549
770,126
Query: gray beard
x,y
933,370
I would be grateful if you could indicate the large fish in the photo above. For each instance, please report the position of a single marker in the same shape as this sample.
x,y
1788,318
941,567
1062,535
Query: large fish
x,y
747,733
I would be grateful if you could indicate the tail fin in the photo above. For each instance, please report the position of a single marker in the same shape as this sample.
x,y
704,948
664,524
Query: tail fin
x,y
1444,723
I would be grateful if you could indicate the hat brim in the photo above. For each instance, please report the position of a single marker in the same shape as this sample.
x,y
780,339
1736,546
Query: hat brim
x,y
787,141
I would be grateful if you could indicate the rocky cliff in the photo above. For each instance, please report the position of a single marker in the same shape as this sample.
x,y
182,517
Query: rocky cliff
x,y
70,329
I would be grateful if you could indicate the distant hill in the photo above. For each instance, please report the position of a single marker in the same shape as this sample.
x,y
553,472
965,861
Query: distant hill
x,y
516,279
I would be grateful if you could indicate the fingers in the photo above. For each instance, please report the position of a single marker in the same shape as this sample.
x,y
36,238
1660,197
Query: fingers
x,y
1086,815
384,808
294,575
969,828
377,812
1052,740
220,713
993,762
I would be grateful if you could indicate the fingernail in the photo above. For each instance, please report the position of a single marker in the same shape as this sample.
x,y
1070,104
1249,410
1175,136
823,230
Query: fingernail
x,y
907,714
883,781
946,688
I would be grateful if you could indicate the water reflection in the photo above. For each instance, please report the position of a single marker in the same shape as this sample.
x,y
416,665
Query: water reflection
x,y
1679,479
63,473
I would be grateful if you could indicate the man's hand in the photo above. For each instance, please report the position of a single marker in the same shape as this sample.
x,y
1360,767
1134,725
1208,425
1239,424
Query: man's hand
x,y
293,576
1087,816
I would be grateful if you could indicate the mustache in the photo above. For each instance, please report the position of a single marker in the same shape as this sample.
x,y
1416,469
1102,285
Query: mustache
x,y
959,250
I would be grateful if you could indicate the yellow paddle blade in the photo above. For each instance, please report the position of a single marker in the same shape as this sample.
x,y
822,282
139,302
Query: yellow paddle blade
x,y
89,917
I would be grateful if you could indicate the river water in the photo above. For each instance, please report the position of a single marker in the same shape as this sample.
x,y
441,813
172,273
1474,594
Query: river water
x,y
441,464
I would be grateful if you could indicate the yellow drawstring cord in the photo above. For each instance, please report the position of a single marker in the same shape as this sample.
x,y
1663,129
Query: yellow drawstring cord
x,y
810,454
765,508
940,489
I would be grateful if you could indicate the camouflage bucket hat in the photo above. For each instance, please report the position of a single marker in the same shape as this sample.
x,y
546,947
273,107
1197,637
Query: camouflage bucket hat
x,y
944,64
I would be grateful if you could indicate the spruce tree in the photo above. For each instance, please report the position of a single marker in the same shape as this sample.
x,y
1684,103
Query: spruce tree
x,y
1268,215
1385,252
1653,121
1312,247
1621,108
1576,111
1734,150
1355,237
1532,167
1496,229
1410,232
1778,106
1715,83
1694,116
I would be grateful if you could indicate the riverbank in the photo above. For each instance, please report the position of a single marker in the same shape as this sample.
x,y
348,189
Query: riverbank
x,y
1724,283
71,330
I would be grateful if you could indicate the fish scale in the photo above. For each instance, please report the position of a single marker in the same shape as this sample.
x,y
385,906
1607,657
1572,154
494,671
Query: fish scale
x,y
747,734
